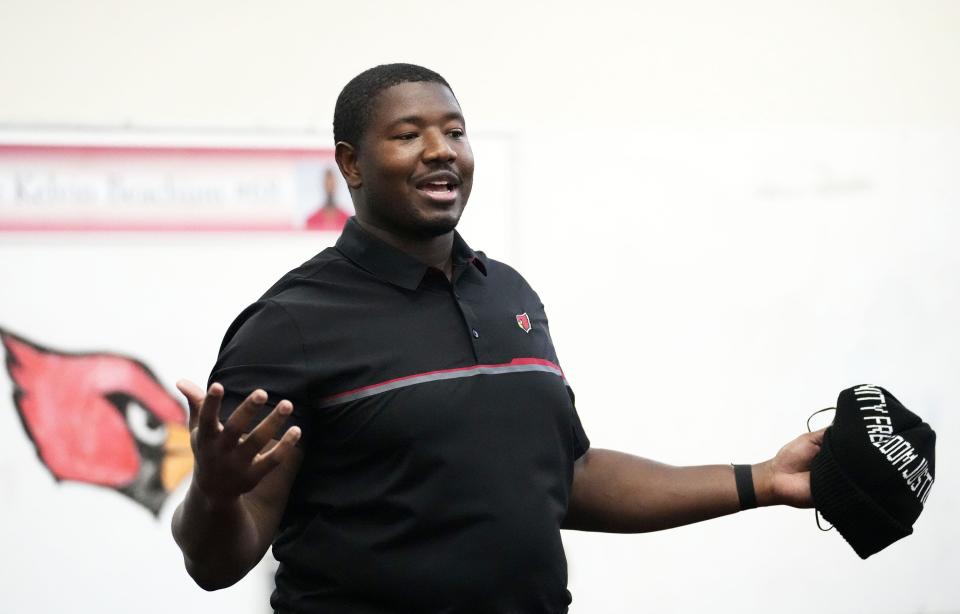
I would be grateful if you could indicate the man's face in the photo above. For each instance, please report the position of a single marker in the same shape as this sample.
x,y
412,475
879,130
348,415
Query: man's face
x,y
415,163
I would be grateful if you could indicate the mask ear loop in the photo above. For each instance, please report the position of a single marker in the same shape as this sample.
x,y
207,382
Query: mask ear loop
x,y
816,512
819,411
816,515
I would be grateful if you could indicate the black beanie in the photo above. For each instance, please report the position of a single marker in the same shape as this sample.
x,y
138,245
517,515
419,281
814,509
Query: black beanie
x,y
874,470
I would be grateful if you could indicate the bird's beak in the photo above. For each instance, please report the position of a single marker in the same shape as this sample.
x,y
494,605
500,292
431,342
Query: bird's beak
x,y
177,457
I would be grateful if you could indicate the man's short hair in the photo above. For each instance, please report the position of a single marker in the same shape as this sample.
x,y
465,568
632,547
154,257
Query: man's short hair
x,y
356,101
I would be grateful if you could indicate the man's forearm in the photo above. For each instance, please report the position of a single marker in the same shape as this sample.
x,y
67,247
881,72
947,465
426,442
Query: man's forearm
x,y
220,542
620,493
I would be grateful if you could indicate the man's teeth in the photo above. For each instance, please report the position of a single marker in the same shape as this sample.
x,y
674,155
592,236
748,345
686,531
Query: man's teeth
x,y
437,187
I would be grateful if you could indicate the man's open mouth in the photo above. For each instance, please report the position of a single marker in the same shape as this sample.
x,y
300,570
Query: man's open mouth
x,y
437,186
442,186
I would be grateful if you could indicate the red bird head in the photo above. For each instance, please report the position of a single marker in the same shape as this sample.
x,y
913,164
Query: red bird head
x,y
100,418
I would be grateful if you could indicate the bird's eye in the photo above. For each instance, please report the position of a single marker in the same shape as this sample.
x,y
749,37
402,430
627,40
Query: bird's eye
x,y
144,426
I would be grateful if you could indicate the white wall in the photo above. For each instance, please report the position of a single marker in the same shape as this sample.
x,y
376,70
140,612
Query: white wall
x,y
731,210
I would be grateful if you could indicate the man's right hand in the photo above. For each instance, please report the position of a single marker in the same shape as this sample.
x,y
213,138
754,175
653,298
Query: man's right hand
x,y
240,486
228,462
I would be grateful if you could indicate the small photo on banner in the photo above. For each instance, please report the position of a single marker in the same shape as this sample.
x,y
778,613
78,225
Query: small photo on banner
x,y
97,187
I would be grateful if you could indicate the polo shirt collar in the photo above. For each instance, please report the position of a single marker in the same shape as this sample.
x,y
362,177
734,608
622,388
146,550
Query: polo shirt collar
x,y
392,265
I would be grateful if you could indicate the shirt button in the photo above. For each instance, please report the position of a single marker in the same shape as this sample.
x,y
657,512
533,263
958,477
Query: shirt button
x,y
476,335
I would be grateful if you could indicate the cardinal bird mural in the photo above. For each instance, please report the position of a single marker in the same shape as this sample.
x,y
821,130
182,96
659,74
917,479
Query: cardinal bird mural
x,y
100,418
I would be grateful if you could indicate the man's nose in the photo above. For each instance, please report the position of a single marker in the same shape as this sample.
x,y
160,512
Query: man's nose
x,y
437,148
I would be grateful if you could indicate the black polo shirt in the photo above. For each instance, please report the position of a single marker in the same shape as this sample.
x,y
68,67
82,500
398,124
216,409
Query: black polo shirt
x,y
439,435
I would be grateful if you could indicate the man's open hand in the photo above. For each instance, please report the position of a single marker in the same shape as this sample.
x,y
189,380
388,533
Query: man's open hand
x,y
228,463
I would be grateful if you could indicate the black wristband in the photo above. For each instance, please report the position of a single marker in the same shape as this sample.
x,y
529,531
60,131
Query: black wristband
x,y
743,474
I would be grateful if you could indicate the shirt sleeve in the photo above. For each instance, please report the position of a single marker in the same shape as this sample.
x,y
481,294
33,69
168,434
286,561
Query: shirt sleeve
x,y
581,443
263,348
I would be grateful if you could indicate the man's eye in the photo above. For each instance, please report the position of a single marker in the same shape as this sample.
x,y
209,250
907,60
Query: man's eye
x,y
406,136
457,133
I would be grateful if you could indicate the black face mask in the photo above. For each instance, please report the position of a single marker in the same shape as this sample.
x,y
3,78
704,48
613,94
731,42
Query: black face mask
x,y
874,470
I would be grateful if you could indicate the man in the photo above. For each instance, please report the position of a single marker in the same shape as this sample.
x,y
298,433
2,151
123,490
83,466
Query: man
x,y
433,451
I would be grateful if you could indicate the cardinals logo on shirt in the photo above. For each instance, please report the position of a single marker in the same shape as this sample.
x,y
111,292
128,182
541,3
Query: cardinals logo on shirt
x,y
523,321
100,418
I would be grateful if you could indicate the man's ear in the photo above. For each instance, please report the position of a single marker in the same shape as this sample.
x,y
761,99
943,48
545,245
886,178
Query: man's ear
x,y
346,155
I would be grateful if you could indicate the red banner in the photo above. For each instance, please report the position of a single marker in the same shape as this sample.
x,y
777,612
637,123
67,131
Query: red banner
x,y
169,188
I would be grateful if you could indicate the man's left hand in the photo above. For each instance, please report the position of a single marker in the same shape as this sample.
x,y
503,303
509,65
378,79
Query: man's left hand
x,y
785,479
